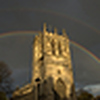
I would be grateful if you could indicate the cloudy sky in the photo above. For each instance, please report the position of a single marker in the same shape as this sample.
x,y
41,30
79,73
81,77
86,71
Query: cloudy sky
x,y
80,18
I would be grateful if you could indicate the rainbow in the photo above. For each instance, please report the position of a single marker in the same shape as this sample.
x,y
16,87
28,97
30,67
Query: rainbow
x,y
85,51
27,33
55,13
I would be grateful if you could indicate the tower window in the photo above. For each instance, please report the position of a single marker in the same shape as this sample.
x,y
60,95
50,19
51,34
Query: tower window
x,y
59,72
42,58
53,43
37,80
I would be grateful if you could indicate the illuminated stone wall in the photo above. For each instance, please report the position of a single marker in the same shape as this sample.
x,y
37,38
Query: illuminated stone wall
x,y
52,74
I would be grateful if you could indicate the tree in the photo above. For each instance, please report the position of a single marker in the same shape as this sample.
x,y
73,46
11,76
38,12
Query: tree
x,y
85,96
98,97
5,79
3,96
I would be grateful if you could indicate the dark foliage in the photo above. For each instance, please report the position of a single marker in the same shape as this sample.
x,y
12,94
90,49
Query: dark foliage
x,y
3,96
5,79
85,96
97,98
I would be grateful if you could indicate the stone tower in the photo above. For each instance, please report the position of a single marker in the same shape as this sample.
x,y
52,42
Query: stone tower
x,y
52,74
52,60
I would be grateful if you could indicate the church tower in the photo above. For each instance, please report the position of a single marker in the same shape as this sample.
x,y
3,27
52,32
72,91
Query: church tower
x,y
52,60
52,72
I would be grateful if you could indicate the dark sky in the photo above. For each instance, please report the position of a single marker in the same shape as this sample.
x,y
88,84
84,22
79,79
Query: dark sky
x,y
80,18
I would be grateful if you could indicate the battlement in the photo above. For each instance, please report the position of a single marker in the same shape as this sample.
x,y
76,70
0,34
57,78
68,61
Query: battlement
x,y
50,42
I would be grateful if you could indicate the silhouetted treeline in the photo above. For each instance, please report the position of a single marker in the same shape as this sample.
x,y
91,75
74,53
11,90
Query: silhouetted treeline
x,y
5,80
84,95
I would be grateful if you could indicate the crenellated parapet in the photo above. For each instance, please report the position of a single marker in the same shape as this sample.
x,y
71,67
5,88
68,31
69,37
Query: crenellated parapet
x,y
55,43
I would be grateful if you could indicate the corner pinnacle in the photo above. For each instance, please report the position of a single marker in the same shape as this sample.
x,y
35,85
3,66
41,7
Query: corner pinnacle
x,y
64,33
44,27
55,30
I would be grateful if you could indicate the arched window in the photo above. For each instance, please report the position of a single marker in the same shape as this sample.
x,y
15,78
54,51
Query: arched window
x,y
61,88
